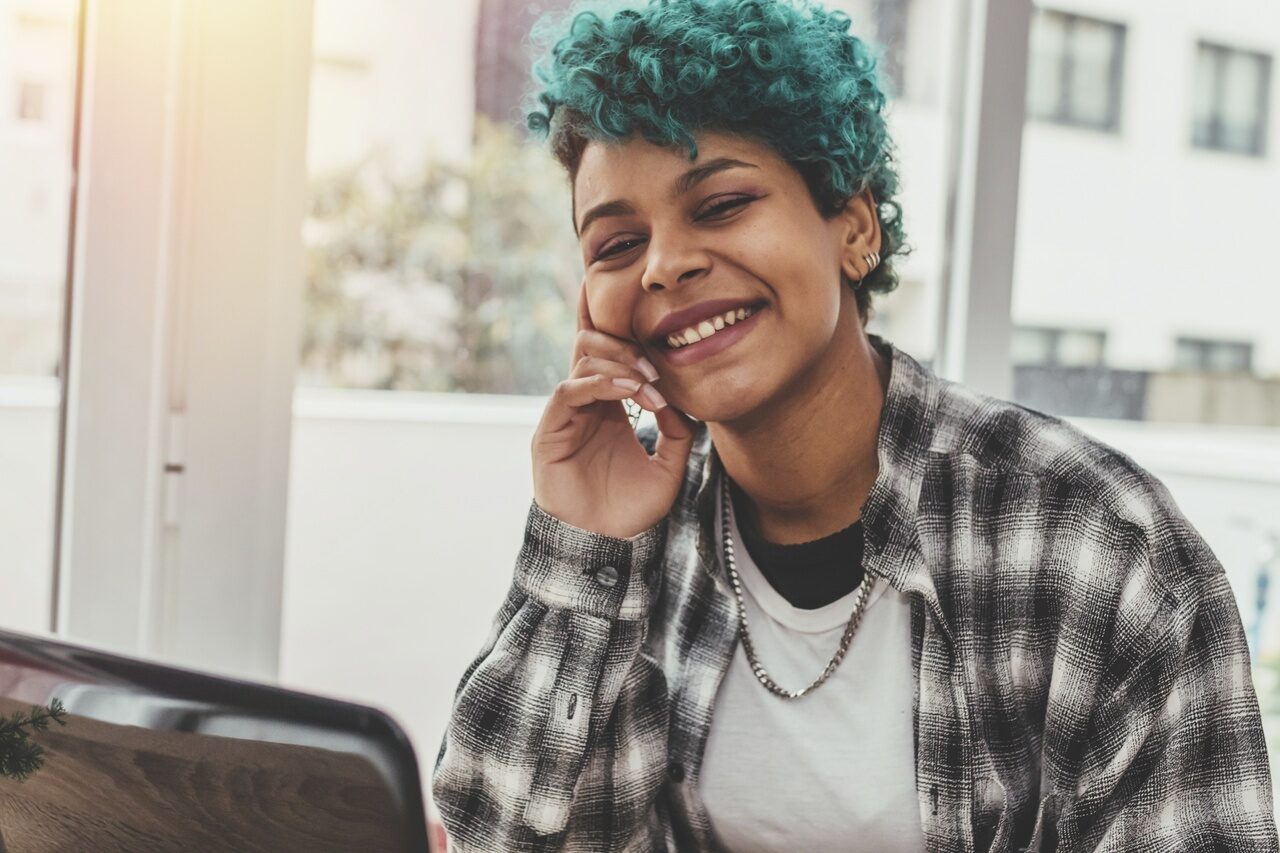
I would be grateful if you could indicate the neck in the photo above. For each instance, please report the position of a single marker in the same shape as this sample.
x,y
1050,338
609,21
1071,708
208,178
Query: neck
x,y
807,459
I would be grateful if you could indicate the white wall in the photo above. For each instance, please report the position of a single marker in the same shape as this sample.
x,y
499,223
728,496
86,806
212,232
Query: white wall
x,y
406,514
28,460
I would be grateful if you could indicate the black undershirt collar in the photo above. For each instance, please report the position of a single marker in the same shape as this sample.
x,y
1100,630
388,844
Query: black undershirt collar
x,y
810,574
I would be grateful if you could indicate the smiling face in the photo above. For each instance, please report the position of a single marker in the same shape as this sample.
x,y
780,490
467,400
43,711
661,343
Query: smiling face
x,y
660,233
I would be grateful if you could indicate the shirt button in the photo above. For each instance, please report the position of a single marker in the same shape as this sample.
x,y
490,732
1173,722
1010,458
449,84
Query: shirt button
x,y
607,576
676,772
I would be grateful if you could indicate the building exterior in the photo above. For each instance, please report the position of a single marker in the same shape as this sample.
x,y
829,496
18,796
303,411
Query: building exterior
x,y
37,84
1148,182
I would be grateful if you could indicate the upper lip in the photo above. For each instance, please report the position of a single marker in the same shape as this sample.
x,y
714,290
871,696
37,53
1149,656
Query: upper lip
x,y
695,314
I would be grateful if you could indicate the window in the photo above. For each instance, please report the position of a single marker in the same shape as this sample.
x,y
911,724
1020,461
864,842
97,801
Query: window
x,y
1232,89
1213,356
1062,370
1057,347
38,62
1074,70
30,101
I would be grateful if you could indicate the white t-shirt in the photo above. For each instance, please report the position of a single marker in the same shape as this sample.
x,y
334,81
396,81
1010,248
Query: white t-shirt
x,y
835,769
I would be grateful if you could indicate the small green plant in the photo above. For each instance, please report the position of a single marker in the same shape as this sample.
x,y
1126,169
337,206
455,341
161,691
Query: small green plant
x,y
20,756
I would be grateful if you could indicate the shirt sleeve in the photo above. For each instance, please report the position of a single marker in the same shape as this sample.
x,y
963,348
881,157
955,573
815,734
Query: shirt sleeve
x,y
557,737
1174,758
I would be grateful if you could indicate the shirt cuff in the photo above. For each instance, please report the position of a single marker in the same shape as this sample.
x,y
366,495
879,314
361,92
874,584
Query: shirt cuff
x,y
565,566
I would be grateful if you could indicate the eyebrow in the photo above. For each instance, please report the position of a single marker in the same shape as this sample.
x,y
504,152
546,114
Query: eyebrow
x,y
682,185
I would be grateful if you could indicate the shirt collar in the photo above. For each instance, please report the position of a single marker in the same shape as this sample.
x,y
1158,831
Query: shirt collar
x,y
892,550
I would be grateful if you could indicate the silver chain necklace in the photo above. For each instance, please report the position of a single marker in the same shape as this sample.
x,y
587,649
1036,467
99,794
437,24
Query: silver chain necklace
x,y
864,591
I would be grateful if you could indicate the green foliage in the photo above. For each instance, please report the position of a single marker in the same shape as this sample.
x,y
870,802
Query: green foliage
x,y
454,278
20,756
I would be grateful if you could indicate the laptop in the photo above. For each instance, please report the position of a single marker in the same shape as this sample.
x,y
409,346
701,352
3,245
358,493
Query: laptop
x,y
107,753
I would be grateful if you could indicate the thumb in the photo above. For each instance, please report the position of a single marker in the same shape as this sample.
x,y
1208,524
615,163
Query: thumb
x,y
675,438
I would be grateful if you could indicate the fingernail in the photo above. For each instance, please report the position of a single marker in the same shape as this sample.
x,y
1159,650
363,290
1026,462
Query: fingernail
x,y
652,395
629,384
646,367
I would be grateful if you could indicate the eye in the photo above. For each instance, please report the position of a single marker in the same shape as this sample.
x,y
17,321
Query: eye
x,y
614,249
727,205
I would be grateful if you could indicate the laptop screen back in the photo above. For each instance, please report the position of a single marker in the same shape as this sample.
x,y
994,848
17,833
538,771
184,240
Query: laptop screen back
x,y
143,757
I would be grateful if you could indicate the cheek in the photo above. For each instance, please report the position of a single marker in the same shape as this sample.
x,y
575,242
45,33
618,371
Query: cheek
x,y
805,285
785,254
612,308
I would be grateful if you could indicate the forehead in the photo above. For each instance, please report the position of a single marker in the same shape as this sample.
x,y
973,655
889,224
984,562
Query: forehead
x,y
609,170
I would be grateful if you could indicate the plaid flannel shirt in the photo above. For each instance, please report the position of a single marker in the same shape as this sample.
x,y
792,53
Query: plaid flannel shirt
x,y
1082,676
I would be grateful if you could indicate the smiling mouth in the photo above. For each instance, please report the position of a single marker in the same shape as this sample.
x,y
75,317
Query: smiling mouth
x,y
708,328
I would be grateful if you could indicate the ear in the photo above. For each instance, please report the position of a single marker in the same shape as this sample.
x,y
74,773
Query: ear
x,y
860,234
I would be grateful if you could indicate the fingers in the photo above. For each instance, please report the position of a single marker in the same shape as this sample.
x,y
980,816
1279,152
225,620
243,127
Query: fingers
x,y
673,425
597,352
585,390
588,365
603,345
644,393
675,439
590,341
570,395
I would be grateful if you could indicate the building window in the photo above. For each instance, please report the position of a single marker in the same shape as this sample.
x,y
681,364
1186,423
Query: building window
x,y
1074,70
502,58
30,101
1232,88
1049,347
1206,354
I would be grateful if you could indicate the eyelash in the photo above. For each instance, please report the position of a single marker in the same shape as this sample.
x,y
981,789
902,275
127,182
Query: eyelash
x,y
734,202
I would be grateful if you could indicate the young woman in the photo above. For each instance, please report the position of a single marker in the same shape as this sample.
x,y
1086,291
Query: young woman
x,y
831,602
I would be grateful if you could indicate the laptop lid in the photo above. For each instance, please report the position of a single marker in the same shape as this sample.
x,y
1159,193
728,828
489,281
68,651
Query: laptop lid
x,y
115,753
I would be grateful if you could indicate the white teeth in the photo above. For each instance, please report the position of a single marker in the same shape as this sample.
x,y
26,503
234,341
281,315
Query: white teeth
x,y
707,328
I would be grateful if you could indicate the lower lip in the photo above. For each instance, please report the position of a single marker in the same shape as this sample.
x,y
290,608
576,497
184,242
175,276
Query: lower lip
x,y
708,347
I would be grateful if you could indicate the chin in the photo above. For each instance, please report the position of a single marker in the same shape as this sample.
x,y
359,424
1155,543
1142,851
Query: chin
x,y
720,407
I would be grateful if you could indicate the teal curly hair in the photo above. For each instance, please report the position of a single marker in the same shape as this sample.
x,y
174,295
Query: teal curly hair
x,y
786,73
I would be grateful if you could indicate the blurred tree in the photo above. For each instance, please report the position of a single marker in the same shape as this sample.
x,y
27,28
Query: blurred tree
x,y
458,278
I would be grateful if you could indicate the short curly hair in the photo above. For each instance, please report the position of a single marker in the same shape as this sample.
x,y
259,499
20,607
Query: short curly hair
x,y
786,73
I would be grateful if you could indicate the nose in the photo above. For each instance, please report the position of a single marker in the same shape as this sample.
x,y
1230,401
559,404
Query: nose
x,y
674,260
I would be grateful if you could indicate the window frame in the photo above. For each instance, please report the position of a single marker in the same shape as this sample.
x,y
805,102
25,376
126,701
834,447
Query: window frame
x,y
177,406
1062,111
1055,336
1221,53
1205,346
